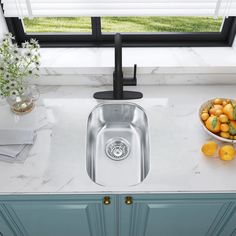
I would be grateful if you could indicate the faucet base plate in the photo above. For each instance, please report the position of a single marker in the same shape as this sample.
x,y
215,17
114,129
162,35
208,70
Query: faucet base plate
x,y
109,95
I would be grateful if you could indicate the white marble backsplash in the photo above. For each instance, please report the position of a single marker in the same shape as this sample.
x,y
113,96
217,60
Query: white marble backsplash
x,y
144,79
94,66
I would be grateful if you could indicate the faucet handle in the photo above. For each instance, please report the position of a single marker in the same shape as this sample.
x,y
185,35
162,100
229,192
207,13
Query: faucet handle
x,y
135,73
131,81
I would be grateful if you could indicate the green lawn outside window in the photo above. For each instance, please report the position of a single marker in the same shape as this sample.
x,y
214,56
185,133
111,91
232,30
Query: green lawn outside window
x,y
124,24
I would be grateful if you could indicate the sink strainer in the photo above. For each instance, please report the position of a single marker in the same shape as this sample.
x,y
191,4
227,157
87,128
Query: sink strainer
x,y
117,149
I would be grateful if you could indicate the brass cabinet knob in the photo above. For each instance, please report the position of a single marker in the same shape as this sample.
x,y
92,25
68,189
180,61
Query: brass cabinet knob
x,y
128,200
106,200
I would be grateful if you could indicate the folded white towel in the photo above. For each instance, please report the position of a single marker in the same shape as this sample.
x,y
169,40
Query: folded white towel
x,y
20,157
16,129
18,134
10,137
11,150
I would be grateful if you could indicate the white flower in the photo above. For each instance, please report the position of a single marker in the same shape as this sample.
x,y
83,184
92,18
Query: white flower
x,y
13,84
16,65
9,36
7,87
15,51
17,59
6,76
34,43
25,45
14,92
28,54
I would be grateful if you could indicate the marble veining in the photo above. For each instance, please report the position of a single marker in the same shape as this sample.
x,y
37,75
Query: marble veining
x,y
94,66
58,164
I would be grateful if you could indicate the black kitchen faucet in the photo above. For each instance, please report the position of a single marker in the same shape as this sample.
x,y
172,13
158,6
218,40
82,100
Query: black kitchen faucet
x,y
118,80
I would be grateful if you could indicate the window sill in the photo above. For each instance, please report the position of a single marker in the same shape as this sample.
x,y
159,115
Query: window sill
x,y
78,65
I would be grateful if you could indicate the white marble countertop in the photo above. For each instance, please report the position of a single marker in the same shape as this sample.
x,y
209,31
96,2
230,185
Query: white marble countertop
x,y
176,137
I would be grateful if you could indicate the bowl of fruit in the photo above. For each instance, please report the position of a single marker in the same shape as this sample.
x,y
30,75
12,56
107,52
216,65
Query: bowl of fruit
x,y
218,118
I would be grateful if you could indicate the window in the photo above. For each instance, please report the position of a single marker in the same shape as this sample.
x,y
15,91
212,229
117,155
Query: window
x,y
123,24
160,24
58,25
136,31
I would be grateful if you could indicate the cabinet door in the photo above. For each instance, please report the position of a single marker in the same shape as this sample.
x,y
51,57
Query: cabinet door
x,y
5,228
167,217
86,216
229,227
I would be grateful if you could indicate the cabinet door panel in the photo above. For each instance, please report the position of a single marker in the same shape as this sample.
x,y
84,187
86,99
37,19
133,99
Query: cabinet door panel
x,y
5,229
184,219
229,228
70,218
159,217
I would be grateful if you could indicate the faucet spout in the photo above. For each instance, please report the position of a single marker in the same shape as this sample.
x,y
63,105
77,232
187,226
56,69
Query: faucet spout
x,y
118,80
118,73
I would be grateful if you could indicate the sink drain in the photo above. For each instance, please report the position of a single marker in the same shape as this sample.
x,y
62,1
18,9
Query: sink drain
x,y
117,149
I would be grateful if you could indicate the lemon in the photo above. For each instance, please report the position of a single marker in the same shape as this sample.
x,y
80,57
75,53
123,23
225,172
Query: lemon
x,y
227,153
209,148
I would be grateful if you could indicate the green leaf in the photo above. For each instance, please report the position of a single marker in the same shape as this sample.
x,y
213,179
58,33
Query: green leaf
x,y
214,122
232,130
234,113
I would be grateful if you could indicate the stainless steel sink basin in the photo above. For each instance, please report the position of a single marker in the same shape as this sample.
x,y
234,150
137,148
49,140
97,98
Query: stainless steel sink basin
x,y
117,144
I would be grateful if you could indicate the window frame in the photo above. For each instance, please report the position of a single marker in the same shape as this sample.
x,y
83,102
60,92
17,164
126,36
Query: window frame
x,y
224,38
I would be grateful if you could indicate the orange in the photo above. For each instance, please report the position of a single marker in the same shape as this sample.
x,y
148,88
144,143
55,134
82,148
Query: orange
x,y
218,112
223,118
218,101
218,107
224,134
212,111
227,153
224,103
204,116
209,148
213,124
229,111
224,127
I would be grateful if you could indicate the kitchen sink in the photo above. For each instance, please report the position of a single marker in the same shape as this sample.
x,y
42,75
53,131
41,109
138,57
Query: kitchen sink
x,y
117,144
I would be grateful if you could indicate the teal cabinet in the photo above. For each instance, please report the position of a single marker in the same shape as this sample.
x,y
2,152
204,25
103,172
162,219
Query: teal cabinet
x,y
5,225
74,216
183,215
137,215
229,226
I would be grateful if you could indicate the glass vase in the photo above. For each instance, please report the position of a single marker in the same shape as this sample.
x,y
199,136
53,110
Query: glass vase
x,y
24,102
